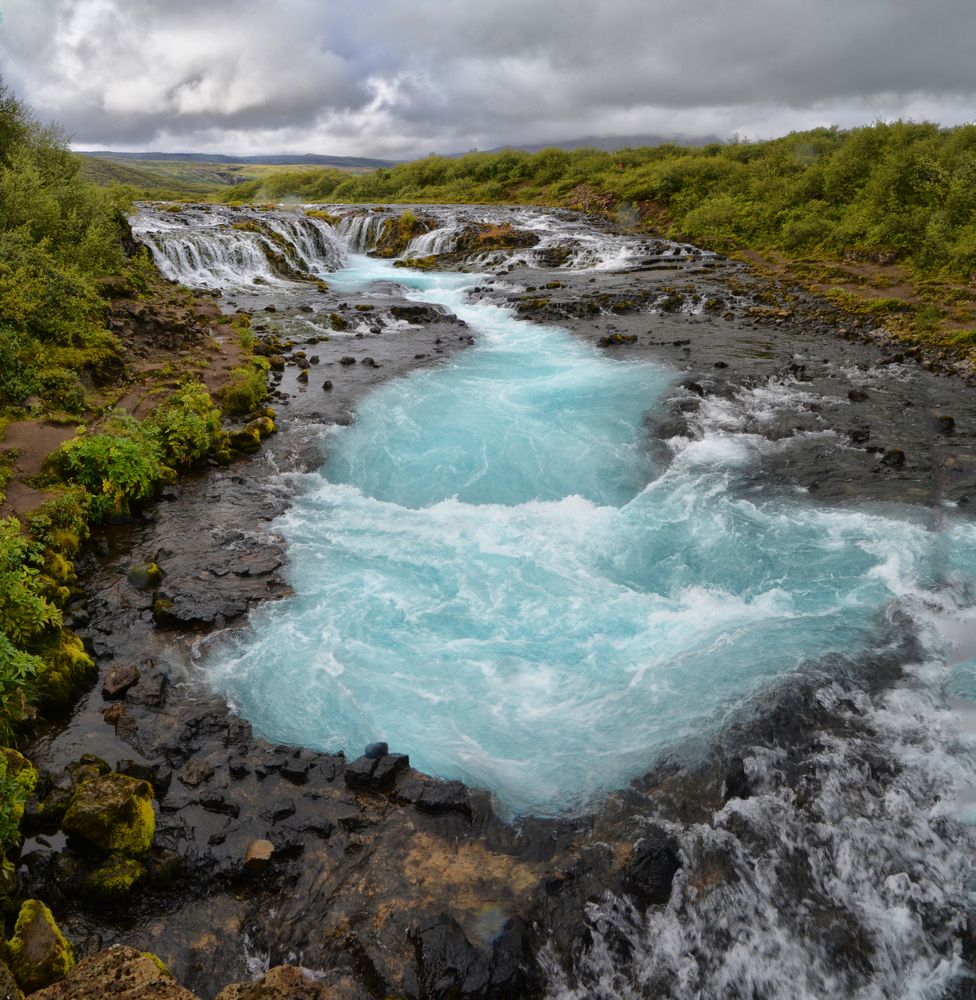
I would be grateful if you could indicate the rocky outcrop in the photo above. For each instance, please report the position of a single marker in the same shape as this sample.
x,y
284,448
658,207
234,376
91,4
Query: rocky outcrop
x,y
119,973
39,952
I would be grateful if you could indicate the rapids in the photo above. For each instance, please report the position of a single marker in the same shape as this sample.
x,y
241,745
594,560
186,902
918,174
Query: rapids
x,y
495,573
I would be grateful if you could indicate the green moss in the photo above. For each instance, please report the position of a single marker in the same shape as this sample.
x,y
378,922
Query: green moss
x,y
418,263
265,426
145,576
338,322
17,782
39,953
247,389
114,814
247,440
115,879
65,669
159,963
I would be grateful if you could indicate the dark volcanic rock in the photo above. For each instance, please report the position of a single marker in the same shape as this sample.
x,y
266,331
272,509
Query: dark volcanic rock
x,y
652,868
120,678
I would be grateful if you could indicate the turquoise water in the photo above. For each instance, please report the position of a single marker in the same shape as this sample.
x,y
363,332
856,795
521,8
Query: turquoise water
x,y
491,574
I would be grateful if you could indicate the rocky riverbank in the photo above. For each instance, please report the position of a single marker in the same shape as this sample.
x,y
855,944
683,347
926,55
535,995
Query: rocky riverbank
x,y
385,881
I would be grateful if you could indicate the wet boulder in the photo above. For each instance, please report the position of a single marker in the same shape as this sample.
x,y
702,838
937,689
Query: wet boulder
x,y
39,953
145,576
114,879
118,681
120,972
113,813
446,964
651,870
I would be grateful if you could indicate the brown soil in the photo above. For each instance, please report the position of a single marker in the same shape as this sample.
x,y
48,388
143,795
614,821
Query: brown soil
x,y
168,336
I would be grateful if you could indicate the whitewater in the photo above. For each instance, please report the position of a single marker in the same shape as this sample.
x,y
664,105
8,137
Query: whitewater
x,y
494,572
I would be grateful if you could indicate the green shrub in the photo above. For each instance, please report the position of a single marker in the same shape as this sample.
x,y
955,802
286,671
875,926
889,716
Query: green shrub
x,y
25,611
120,467
187,425
18,688
18,376
247,389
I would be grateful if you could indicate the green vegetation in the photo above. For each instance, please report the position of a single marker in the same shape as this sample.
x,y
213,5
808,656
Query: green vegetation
x,y
58,237
899,191
62,261
247,390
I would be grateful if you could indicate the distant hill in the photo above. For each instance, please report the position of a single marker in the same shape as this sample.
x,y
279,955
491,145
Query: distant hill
x,y
281,159
608,143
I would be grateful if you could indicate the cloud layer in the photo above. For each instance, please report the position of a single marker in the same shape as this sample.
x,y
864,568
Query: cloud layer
x,y
405,77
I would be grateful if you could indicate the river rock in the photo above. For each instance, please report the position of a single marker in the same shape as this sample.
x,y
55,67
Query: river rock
x,y
113,880
258,856
39,953
119,972
652,867
145,576
113,813
120,678
283,983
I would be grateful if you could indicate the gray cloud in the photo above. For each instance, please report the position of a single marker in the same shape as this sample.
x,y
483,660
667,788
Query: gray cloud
x,y
403,77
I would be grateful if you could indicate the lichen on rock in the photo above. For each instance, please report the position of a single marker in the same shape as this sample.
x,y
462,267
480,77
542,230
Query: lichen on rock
x,y
121,972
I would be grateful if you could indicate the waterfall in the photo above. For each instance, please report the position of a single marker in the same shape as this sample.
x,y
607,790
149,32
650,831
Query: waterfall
x,y
361,232
437,241
237,248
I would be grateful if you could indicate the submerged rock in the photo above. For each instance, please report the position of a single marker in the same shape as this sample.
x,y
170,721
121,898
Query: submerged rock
x,y
39,953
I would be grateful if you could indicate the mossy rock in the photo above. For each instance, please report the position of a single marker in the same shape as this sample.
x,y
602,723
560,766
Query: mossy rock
x,y
66,671
39,953
338,322
145,576
247,440
418,263
113,813
115,879
263,425
120,971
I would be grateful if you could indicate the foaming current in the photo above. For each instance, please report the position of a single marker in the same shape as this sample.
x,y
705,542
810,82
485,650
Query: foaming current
x,y
491,574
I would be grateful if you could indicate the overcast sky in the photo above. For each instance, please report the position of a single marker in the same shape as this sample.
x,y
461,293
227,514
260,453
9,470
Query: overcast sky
x,y
398,78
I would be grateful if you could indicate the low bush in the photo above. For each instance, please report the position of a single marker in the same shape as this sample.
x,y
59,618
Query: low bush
x,y
120,466
187,425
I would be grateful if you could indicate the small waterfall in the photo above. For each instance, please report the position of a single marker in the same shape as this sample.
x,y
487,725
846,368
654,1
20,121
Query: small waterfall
x,y
313,242
361,232
435,242
209,259
227,248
